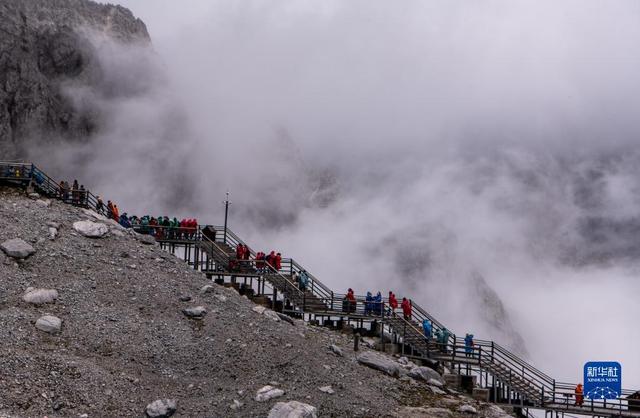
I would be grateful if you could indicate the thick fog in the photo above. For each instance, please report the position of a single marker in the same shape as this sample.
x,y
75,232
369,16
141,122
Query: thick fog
x,y
478,157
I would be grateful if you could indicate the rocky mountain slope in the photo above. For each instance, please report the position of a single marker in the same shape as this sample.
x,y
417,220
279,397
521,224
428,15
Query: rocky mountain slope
x,y
124,339
45,45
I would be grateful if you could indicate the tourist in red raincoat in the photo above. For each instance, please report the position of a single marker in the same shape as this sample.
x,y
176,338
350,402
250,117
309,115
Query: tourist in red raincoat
x,y
393,303
406,308
239,251
278,262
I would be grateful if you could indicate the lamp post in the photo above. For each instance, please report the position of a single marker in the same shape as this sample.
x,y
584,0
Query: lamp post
x,y
226,216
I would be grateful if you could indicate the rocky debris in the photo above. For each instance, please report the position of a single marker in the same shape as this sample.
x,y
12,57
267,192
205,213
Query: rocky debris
x,y
197,312
380,362
266,312
40,296
467,409
421,412
327,389
53,233
49,323
91,229
17,248
336,350
185,298
236,405
267,393
45,203
161,408
426,374
293,409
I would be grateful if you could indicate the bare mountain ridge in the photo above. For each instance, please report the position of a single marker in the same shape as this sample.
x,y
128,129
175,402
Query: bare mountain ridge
x,y
45,46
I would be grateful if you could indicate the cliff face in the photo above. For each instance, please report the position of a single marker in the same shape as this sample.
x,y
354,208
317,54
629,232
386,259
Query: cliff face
x,y
44,46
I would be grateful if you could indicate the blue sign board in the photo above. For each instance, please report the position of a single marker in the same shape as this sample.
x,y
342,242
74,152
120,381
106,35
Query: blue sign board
x,y
602,380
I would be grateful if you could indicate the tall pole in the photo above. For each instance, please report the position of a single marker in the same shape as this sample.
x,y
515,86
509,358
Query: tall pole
x,y
226,216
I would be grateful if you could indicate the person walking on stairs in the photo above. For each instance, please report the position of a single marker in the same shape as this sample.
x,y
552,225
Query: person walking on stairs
x,y
406,309
468,345
303,280
426,328
393,303
579,395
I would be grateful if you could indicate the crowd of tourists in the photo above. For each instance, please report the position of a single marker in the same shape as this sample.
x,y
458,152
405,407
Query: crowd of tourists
x,y
75,194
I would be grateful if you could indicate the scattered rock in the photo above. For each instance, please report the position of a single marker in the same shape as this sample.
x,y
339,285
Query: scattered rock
x,y
259,309
327,389
91,229
45,203
379,362
467,409
285,318
17,248
55,225
161,408
271,315
268,392
437,390
221,298
185,298
146,239
197,312
207,288
49,323
434,382
293,409
40,296
236,405
53,233
425,374
336,350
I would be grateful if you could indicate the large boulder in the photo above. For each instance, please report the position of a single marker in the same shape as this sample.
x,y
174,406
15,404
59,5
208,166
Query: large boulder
x,y
426,374
49,323
380,362
17,248
40,296
91,229
161,408
293,409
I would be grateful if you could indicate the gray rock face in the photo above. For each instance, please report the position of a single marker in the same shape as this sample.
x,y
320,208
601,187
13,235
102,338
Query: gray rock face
x,y
293,409
17,248
426,374
40,296
45,44
380,362
49,323
91,229
161,408
268,392
197,312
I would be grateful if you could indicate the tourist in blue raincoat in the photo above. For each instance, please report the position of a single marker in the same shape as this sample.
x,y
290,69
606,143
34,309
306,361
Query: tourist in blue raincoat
x,y
377,304
368,302
426,328
468,345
